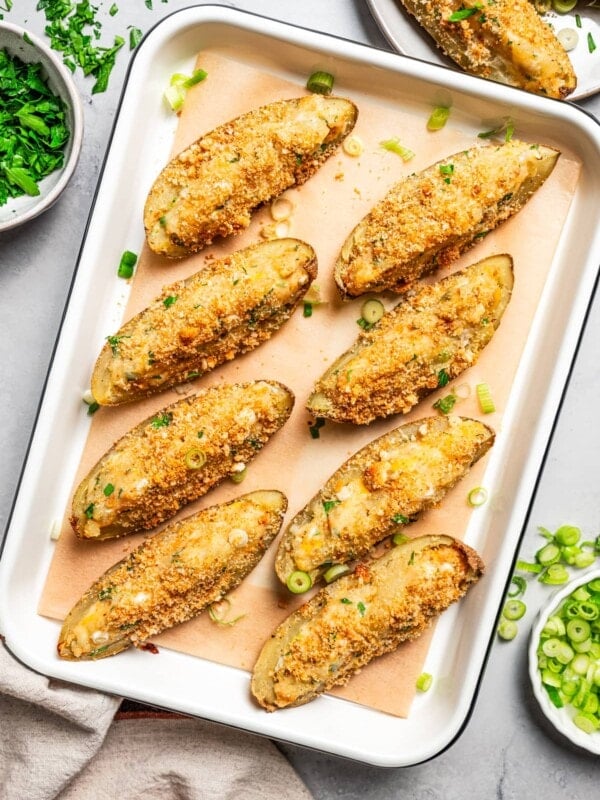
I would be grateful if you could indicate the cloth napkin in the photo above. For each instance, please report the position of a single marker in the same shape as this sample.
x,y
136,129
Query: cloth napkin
x,y
62,742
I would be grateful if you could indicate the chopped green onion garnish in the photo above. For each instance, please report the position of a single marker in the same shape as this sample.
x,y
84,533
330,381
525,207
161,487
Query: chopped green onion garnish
x,y
438,118
554,575
127,264
477,496
399,538
424,682
526,566
218,612
114,9
445,404
196,77
563,6
484,395
238,477
520,585
394,146
316,427
195,459
308,309
591,43
514,609
507,629
336,571
299,582
578,20
108,489
320,82
372,311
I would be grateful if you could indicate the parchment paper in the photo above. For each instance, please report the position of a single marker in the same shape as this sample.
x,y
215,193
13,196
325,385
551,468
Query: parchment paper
x,y
325,210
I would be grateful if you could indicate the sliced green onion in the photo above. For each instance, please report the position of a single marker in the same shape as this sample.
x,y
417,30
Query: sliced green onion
x,y
578,20
320,82
299,582
484,395
395,146
588,723
195,459
424,682
399,538
445,404
591,43
567,534
308,309
135,37
563,6
127,264
554,575
438,118
520,586
372,311
507,629
549,554
477,496
336,571
197,76
238,477
462,13
526,566
514,609
219,610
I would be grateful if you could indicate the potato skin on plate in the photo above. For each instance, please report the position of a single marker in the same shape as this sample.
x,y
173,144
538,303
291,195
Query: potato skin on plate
x,y
362,616
213,186
435,333
382,486
176,456
503,40
230,307
172,576
428,219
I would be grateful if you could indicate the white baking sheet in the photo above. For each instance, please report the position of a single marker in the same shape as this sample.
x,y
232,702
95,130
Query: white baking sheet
x,y
407,37
462,638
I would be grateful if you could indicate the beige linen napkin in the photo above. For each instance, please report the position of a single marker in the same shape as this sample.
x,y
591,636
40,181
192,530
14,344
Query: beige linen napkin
x,y
59,742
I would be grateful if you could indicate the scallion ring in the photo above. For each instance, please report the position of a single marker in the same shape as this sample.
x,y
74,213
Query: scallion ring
x,y
372,311
195,459
484,395
320,82
424,682
477,496
299,582
438,118
336,571
514,609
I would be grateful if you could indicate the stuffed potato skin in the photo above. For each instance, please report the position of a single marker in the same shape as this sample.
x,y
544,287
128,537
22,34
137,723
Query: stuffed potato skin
x,y
502,40
228,308
434,334
428,219
361,616
172,576
213,186
176,456
385,484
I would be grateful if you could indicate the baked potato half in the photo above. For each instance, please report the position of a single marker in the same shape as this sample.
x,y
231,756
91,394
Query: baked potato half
x,y
361,616
172,576
502,40
386,484
435,333
230,307
212,187
176,456
428,219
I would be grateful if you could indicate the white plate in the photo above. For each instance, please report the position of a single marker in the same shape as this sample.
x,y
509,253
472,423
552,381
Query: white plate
x,y
561,718
407,37
463,637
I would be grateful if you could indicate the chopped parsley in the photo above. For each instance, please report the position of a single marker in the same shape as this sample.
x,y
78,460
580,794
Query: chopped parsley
x,y
443,378
162,420
328,505
114,342
168,301
33,128
448,171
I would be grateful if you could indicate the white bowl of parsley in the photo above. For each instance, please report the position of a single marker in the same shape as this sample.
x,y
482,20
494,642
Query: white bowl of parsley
x,y
41,126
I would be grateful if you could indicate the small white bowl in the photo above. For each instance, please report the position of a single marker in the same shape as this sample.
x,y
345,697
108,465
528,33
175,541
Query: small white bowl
x,y
31,49
561,718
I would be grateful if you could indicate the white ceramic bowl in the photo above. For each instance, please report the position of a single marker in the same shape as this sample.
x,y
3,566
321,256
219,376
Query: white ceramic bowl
x,y
561,718
31,49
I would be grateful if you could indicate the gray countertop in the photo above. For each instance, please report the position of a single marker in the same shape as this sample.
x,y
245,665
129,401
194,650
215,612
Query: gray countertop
x,y
507,750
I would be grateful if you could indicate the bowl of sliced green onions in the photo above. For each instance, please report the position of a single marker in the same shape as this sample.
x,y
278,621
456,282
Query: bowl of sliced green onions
x,y
41,126
564,661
